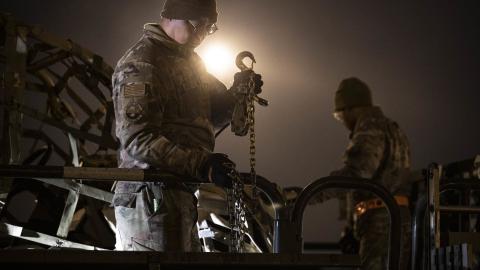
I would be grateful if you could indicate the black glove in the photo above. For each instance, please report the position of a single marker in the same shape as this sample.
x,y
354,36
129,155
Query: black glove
x,y
348,243
221,168
243,77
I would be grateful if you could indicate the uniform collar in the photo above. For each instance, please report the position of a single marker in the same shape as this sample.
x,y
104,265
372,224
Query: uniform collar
x,y
156,32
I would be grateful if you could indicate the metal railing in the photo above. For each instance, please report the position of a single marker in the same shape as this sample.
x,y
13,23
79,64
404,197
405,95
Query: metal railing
x,y
351,183
56,175
288,223
418,255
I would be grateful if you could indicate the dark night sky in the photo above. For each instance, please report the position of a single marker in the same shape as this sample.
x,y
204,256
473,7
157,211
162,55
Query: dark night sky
x,y
421,59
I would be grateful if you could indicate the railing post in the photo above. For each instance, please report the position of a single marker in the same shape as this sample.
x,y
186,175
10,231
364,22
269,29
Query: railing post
x,y
284,240
353,183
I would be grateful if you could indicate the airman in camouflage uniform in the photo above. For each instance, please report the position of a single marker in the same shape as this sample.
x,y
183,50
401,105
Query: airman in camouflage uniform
x,y
167,108
378,150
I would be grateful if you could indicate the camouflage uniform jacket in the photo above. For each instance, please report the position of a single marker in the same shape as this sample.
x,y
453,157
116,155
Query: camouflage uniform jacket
x,y
378,150
166,105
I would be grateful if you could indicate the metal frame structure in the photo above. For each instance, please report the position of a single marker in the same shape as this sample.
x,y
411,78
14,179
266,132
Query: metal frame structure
x,y
61,74
74,188
287,219
433,255
56,108
61,175
65,178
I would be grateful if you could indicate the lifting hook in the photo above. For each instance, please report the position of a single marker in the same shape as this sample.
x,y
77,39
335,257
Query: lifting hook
x,y
239,60
241,65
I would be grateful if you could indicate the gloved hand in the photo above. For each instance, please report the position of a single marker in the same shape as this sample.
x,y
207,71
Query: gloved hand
x,y
218,169
348,243
243,77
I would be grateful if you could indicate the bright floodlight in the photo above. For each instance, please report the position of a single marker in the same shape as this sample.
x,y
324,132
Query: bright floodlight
x,y
219,60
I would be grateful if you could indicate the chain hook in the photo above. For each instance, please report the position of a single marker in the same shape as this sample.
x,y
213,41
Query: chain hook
x,y
239,60
241,65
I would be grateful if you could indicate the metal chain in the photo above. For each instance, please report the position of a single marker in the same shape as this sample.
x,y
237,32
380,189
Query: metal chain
x,y
251,131
232,220
236,204
235,197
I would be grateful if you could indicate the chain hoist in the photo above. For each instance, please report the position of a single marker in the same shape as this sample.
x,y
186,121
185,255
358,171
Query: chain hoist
x,y
236,201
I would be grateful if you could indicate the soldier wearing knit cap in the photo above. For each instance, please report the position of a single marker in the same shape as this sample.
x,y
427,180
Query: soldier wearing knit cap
x,y
167,108
378,150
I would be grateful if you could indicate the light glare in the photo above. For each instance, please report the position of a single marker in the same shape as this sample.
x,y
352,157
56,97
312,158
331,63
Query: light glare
x,y
218,60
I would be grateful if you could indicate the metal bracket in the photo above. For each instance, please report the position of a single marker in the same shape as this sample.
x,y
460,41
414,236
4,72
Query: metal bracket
x,y
40,238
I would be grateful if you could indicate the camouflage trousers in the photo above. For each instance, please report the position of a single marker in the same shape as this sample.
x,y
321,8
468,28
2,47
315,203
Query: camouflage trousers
x,y
373,232
152,217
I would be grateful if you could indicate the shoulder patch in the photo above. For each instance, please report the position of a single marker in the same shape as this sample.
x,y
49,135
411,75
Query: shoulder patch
x,y
134,111
134,90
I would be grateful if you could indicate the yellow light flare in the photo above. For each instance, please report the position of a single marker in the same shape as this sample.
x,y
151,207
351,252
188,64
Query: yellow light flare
x,y
219,60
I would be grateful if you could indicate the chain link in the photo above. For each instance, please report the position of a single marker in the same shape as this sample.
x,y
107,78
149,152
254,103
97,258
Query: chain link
x,y
235,197
251,131
236,205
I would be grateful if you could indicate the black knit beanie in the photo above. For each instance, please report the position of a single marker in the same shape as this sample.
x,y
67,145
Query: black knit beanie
x,y
190,10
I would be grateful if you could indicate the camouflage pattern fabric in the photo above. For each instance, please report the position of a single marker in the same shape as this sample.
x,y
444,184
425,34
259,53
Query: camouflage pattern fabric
x,y
167,105
372,230
378,150
167,108
151,217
